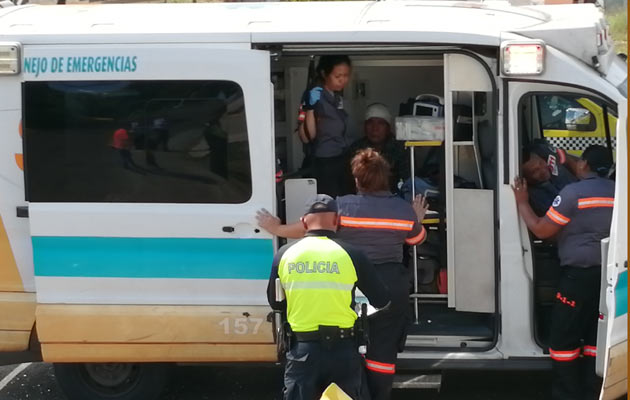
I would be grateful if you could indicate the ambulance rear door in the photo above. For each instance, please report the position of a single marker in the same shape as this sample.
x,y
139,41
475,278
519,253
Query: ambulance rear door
x,y
612,332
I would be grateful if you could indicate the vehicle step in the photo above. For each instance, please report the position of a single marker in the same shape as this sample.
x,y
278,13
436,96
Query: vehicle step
x,y
418,381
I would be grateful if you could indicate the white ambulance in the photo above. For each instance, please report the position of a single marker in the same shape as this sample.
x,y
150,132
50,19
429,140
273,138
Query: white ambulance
x,y
137,142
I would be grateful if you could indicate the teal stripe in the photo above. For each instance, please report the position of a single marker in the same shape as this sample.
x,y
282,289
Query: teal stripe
x,y
152,257
621,294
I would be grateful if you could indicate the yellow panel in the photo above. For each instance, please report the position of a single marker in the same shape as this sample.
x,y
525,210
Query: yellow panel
x,y
10,279
153,324
17,311
72,352
572,134
616,391
14,340
616,382
425,143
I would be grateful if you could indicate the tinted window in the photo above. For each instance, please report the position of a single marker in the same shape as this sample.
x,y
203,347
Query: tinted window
x,y
136,141
557,113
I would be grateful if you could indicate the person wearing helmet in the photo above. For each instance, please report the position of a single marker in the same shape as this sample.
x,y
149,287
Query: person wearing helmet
x,y
378,130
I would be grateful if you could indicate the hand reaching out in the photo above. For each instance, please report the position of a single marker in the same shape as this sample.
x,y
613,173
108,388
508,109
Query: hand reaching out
x,y
267,221
420,206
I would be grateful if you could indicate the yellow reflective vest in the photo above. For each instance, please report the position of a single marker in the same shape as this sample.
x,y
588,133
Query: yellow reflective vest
x,y
318,277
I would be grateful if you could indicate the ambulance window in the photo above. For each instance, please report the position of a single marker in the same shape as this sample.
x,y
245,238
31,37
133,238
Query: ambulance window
x,y
565,113
569,121
136,141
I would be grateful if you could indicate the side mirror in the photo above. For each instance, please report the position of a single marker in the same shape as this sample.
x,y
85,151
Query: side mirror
x,y
577,119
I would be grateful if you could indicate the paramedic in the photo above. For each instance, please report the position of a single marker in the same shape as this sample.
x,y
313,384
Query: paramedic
x,y
581,216
319,300
326,122
379,223
379,136
547,170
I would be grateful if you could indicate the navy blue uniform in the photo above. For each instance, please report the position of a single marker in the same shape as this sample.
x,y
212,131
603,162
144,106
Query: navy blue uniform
x,y
379,224
330,144
584,210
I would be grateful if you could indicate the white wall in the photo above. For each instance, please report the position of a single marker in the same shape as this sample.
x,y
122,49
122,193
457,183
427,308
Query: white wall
x,y
384,84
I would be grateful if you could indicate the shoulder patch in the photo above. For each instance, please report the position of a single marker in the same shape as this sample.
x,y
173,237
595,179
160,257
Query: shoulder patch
x,y
557,201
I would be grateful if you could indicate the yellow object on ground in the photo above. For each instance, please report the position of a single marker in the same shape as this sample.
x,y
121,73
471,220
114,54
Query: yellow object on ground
x,y
333,392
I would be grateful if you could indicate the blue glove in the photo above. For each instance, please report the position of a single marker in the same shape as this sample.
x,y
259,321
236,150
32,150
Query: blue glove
x,y
314,96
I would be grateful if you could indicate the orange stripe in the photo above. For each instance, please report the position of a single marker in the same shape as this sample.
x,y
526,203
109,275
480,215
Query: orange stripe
x,y
419,238
377,223
590,351
591,202
569,355
557,217
383,368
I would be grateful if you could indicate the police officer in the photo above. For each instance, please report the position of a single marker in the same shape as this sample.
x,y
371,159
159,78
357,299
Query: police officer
x,y
378,223
319,275
581,216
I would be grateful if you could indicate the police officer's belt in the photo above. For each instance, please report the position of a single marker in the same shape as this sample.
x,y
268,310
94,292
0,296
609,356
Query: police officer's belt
x,y
325,333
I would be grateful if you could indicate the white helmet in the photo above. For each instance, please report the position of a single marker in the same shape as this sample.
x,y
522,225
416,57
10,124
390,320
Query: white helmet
x,y
378,110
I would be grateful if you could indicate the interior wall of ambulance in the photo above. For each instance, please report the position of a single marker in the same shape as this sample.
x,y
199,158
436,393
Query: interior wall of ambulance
x,y
369,84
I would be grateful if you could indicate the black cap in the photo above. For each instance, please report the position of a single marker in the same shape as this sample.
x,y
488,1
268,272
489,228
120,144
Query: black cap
x,y
321,203
540,147
598,158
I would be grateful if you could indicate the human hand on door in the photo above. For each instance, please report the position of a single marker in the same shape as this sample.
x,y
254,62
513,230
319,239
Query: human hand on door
x,y
267,221
520,190
420,206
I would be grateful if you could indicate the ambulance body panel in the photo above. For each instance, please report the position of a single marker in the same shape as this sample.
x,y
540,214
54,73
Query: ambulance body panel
x,y
179,275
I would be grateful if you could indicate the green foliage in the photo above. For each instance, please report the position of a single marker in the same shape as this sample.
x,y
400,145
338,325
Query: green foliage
x,y
618,20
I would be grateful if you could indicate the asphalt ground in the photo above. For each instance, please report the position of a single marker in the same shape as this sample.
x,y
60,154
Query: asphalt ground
x,y
37,381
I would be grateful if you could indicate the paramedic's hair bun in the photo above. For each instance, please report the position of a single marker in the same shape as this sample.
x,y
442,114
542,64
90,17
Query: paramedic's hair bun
x,y
371,171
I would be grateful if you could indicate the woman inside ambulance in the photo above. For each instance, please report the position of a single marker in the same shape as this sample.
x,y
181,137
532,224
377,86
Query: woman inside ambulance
x,y
378,223
326,122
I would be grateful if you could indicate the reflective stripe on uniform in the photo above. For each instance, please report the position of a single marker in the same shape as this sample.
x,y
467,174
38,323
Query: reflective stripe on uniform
x,y
592,202
556,217
568,355
377,223
418,238
288,286
590,351
382,368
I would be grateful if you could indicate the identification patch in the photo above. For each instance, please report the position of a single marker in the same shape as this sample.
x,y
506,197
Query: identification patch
x,y
552,164
556,201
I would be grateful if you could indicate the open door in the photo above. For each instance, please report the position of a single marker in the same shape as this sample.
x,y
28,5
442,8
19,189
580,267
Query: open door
x,y
144,174
470,144
612,332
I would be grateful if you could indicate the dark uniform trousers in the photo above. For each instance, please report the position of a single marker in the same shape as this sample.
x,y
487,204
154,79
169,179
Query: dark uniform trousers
x,y
331,175
313,365
388,330
574,334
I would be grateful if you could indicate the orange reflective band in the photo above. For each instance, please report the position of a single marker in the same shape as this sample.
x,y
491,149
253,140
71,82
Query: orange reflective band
x,y
556,217
590,351
377,223
382,368
419,238
592,202
569,355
